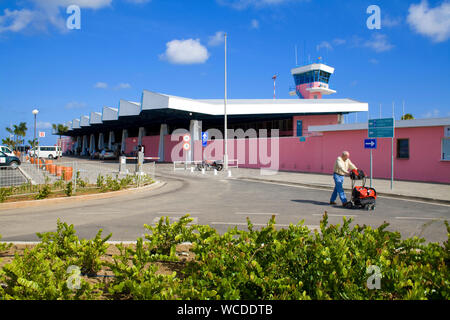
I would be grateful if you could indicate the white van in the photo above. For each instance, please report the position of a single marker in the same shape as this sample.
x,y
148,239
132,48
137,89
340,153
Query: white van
x,y
7,150
49,152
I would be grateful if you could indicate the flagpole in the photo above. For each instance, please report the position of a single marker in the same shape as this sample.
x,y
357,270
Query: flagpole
x,y
225,156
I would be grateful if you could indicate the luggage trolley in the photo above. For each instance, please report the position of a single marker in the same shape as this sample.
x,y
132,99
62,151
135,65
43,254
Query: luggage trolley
x,y
362,196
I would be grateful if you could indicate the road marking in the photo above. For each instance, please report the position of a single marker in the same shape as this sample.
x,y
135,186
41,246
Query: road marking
x,y
323,189
256,213
419,218
260,224
335,215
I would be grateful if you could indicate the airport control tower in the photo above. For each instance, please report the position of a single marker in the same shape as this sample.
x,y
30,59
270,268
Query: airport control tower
x,y
311,81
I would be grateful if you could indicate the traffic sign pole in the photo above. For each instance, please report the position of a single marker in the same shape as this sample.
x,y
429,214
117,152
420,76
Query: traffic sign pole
x,y
371,167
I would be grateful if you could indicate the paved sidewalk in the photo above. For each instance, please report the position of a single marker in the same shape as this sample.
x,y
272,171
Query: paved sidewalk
x,y
402,189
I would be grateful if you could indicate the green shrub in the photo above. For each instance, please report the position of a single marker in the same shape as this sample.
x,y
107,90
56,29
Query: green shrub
x,y
5,193
4,246
44,192
69,189
265,264
80,182
100,181
43,272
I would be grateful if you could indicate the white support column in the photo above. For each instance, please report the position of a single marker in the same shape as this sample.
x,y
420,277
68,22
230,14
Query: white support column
x,y
123,146
101,141
111,140
162,132
195,129
92,144
85,145
141,135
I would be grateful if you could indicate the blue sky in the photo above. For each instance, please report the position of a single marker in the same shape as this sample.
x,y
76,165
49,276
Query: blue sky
x,y
176,47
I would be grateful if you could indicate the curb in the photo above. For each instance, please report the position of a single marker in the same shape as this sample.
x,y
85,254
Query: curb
x,y
326,187
97,196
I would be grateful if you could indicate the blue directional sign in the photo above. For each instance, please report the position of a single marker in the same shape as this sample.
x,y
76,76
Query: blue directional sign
x,y
299,128
204,139
381,128
370,143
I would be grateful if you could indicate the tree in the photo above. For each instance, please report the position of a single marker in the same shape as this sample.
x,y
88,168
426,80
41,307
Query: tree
x,y
60,130
32,143
408,116
18,132
9,142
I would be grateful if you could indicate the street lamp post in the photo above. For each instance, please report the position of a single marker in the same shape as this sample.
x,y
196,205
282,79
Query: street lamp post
x,y
225,156
35,112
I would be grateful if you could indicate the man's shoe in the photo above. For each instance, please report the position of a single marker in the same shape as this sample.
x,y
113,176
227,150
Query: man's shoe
x,y
332,202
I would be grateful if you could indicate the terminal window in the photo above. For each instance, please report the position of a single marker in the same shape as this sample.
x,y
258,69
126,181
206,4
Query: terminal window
x,y
403,148
446,149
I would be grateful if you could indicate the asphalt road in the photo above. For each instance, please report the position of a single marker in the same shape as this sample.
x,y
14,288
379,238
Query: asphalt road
x,y
221,203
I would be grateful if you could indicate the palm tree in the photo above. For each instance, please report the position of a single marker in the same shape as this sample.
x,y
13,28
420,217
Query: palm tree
x,y
60,130
408,116
9,142
18,132
32,143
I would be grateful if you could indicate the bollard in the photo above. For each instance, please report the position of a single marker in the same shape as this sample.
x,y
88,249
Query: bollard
x,y
192,169
203,170
140,162
215,172
123,165
229,173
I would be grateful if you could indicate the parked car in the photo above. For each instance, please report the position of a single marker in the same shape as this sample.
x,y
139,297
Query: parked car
x,y
49,152
9,161
107,154
7,151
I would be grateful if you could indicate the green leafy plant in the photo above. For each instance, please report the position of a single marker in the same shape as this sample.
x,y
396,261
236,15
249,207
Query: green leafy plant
x,y
44,192
69,189
5,193
100,181
80,182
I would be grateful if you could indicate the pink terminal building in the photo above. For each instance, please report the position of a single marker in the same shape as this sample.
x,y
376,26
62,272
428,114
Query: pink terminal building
x,y
303,135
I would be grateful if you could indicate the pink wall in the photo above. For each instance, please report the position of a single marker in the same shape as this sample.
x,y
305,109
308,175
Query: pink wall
x,y
318,153
424,151
130,144
151,146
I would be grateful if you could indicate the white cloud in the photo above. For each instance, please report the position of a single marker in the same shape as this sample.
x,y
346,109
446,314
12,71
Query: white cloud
x,y
379,43
216,39
373,61
44,13
339,41
255,24
430,22
189,51
324,45
43,125
15,20
244,4
388,21
75,105
138,1
123,86
101,85
432,114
